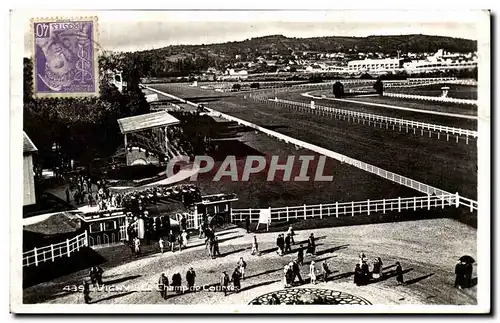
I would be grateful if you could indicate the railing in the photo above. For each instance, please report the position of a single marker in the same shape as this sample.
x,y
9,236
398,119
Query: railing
x,y
50,253
372,117
402,180
429,98
350,208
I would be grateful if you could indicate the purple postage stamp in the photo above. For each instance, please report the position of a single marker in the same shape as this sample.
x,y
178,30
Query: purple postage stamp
x,y
65,60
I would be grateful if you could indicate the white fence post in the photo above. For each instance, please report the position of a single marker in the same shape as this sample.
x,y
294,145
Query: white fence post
x,y
36,256
52,252
352,208
399,204
457,200
336,209
287,216
414,203
305,216
368,206
442,201
383,206
250,215
428,201
87,238
67,246
320,212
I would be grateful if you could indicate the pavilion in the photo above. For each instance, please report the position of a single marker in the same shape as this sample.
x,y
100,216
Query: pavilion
x,y
155,122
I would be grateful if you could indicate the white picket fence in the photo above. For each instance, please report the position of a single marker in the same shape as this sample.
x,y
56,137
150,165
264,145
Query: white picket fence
x,y
429,98
350,208
393,177
53,251
329,111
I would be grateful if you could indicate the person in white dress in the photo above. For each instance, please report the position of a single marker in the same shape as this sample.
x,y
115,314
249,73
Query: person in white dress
x,y
312,272
161,244
184,236
255,246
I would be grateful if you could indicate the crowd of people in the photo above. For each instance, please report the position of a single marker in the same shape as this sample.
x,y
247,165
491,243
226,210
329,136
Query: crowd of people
x,y
81,191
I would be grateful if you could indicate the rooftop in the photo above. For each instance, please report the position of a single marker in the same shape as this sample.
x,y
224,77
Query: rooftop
x,y
28,146
146,121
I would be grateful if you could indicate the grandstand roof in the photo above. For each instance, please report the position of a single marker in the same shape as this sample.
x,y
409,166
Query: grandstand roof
x,y
146,121
28,146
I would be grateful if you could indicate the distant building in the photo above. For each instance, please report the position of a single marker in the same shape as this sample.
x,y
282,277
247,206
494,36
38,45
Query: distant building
x,y
238,73
28,170
373,64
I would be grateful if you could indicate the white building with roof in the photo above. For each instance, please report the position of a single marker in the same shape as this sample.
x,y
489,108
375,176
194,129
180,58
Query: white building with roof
x,y
373,65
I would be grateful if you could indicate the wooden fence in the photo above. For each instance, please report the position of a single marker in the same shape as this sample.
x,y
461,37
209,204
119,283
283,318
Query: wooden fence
x,y
329,111
337,209
58,250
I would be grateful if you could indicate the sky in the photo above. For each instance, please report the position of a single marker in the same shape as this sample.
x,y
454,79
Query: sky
x,y
139,30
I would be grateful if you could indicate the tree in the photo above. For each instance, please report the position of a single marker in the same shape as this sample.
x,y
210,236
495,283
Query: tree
x,y
255,85
338,90
236,87
378,86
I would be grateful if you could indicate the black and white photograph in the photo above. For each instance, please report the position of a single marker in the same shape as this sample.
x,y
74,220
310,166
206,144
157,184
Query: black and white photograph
x,y
222,161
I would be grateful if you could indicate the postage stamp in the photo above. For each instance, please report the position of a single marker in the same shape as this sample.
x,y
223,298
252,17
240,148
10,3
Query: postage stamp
x,y
65,61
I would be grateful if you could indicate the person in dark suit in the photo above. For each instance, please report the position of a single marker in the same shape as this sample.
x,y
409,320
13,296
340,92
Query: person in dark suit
x,y
296,272
86,292
358,275
247,223
177,282
300,255
311,245
288,247
190,278
460,275
399,274
236,280
163,285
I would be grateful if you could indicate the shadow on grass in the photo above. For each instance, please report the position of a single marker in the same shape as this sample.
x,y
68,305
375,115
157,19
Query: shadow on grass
x,y
416,280
112,297
121,280
329,250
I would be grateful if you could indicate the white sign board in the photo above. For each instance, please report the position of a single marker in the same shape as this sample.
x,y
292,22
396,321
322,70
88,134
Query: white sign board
x,y
152,97
264,218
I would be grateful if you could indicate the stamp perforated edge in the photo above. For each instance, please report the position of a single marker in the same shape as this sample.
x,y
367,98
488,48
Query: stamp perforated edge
x,y
96,52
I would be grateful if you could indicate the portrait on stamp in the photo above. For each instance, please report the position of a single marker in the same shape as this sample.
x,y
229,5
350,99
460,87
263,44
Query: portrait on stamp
x,y
65,61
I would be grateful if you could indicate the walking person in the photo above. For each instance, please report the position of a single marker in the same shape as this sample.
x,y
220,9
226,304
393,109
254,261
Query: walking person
x,y
236,280
311,245
98,272
247,223
296,271
286,282
190,278
366,271
255,246
468,269
312,272
291,232
289,274
86,292
177,282
216,251
224,282
377,269
460,275
161,244
184,236
68,198
163,285
183,223
358,275
325,271
137,246
300,255
399,274
278,243
242,265
288,247
201,230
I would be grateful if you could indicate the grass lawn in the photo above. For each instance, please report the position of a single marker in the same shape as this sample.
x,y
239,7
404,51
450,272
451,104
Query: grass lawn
x,y
457,91
445,165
